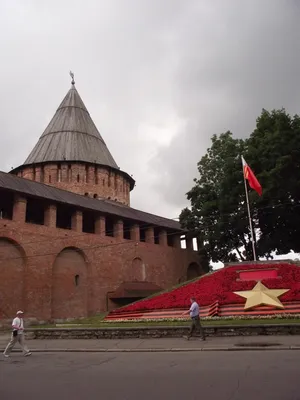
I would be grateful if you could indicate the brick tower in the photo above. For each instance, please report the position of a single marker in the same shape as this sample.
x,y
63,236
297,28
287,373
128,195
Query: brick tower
x,y
72,155
70,244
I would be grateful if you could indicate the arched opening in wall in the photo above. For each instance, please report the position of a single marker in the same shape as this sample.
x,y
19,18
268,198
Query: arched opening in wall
x,y
95,196
193,271
138,270
70,284
12,264
78,178
50,179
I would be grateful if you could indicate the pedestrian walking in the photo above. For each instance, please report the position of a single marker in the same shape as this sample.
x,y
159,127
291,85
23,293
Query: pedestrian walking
x,y
17,336
195,320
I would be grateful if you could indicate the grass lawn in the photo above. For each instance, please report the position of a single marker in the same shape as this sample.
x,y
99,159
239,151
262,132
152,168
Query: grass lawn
x,y
97,322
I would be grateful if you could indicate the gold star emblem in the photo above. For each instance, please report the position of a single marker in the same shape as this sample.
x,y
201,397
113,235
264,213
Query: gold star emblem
x,y
261,295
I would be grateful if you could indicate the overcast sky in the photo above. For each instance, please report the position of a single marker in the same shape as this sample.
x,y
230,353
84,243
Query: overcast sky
x,y
158,77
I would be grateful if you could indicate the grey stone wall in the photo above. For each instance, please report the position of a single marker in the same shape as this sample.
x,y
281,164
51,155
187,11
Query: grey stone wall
x,y
161,332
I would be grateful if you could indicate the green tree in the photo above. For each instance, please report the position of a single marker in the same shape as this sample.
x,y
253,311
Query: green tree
x,y
274,151
218,212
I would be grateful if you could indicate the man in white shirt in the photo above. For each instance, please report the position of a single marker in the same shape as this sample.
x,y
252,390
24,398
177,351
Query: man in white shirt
x,y
17,336
195,317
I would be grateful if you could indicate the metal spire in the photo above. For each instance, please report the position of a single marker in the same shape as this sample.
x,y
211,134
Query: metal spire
x,y
72,76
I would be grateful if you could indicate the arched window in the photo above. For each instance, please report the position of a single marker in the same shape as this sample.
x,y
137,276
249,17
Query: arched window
x,y
78,178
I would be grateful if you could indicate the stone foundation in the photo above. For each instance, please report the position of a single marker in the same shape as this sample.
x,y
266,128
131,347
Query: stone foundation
x,y
161,332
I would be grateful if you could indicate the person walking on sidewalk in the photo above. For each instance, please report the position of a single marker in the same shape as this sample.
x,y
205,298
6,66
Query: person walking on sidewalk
x,y
17,336
195,317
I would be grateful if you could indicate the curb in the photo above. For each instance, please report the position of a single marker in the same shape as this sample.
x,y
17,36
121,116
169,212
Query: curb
x,y
166,350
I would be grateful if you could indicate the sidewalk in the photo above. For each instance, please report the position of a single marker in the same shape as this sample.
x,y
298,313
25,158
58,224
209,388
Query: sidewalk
x,y
237,343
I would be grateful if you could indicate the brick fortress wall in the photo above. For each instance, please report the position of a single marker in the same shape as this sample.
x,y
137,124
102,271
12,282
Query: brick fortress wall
x,y
56,273
82,178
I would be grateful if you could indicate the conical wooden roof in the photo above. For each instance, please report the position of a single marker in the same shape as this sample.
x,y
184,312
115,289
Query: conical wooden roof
x,y
71,136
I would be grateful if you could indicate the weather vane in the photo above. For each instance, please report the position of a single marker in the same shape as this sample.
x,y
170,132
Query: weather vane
x,y
72,76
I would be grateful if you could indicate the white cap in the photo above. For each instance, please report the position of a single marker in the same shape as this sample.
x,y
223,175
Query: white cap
x,y
20,312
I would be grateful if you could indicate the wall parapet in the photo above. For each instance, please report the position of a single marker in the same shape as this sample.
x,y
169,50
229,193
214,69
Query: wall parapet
x,y
54,215
161,331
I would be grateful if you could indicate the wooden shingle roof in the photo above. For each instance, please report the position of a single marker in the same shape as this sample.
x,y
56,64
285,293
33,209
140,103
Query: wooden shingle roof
x,y
71,136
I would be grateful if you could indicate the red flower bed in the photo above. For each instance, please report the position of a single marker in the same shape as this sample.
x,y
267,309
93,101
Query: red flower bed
x,y
219,286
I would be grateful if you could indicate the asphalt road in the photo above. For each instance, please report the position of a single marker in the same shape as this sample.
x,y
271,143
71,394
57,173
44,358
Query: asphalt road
x,y
227,375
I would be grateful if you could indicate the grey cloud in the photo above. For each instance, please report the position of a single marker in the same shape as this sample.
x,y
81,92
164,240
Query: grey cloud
x,y
244,58
141,65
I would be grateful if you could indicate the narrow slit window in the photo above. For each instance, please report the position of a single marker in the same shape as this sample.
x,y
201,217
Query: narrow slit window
x,y
86,174
59,174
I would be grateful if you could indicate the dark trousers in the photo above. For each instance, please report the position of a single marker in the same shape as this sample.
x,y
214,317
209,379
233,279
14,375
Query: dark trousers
x,y
196,325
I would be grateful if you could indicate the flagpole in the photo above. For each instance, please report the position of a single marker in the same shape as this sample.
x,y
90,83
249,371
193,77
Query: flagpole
x,y
249,215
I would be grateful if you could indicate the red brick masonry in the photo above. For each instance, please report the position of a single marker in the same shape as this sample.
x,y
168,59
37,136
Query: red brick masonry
x,y
55,273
